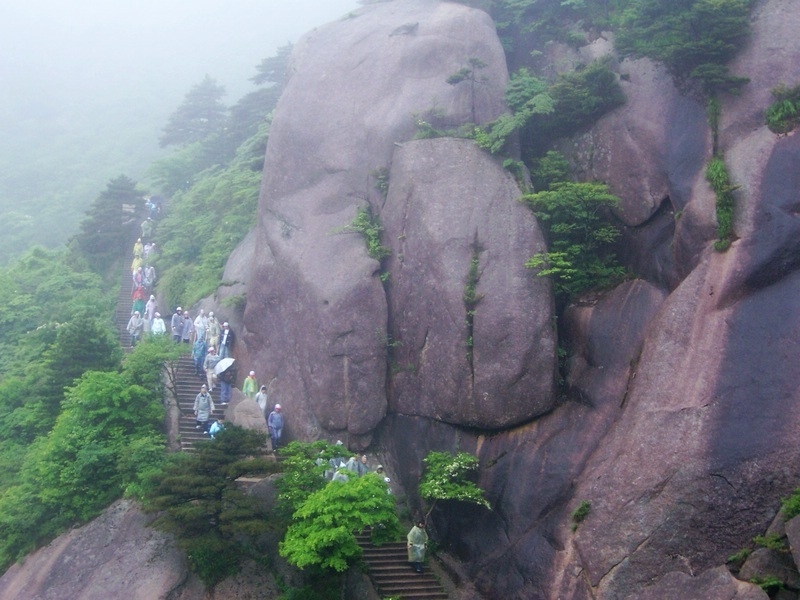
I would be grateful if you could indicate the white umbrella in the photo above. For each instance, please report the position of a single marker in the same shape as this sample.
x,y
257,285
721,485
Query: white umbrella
x,y
223,365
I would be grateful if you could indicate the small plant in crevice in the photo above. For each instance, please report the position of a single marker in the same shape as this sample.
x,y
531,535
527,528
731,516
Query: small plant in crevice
x,y
369,226
580,514
381,176
790,507
469,73
769,583
472,298
717,175
773,541
740,556
784,114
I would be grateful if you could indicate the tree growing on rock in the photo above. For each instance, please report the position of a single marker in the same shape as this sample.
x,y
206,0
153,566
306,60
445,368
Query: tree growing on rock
x,y
447,477
201,115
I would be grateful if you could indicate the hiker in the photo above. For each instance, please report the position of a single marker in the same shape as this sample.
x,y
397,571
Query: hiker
x,y
226,379
217,426
138,249
337,461
209,363
136,264
275,424
139,303
150,313
226,341
200,325
379,471
250,385
176,325
158,327
199,356
149,276
187,328
212,331
147,228
135,327
417,539
262,397
138,277
358,465
203,407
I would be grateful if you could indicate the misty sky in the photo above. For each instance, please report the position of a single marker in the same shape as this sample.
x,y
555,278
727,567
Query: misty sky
x,y
78,74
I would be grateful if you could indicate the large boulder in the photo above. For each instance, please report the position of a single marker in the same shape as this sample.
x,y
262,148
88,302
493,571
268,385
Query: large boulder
x,y
317,313
457,231
115,556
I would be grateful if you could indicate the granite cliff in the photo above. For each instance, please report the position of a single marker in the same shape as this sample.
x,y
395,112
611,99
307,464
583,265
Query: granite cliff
x,y
685,379
680,427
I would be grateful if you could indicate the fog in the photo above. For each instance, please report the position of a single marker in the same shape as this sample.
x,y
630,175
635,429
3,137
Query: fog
x,y
87,85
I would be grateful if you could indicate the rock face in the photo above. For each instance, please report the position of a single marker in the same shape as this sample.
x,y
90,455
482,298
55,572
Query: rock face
x,y
681,419
318,315
453,223
114,556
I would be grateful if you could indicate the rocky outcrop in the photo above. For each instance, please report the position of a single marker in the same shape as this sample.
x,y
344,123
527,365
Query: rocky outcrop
x,y
679,427
115,556
456,230
318,314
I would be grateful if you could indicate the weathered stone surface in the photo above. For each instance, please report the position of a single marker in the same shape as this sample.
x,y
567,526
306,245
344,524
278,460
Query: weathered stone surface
x,y
316,315
793,534
715,583
491,365
765,562
605,339
114,556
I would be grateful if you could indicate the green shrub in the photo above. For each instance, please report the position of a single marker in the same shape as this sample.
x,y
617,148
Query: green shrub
x,y
784,114
773,541
371,228
576,221
717,175
791,505
580,514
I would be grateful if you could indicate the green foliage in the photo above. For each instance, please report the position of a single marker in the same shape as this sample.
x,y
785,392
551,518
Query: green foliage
x,y
580,513
322,533
215,521
773,541
717,176
769,583
200,115
544,113
304,465
784,114
369,226
791,505
551,168
447,477
740,556
693,38
104,225
204,225
576,221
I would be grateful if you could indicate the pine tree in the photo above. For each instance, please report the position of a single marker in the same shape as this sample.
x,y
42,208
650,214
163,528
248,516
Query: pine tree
x,y
201,115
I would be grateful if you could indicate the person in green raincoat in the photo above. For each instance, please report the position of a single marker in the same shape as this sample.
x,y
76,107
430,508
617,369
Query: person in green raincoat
x,y
417,540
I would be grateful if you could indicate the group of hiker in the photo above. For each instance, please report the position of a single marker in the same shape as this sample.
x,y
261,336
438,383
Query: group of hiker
x,y
212,355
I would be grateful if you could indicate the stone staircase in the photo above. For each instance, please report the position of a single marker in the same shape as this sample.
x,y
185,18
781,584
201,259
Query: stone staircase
x,y
124,307
393,576
187,386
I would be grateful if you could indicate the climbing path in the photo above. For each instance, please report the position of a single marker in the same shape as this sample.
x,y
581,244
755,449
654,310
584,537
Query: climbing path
x,y
393,576
187,386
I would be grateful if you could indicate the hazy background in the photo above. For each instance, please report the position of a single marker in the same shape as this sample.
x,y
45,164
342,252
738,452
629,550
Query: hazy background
x,y
87,85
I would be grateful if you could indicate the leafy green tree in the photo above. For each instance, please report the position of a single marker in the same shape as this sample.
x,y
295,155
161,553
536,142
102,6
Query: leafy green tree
x,y
304,465
693,38
576,221
200,115
216,522
447,477
322,533
105,225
